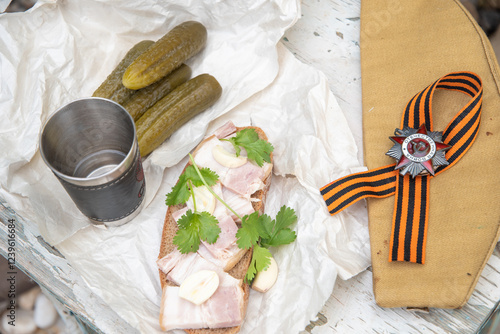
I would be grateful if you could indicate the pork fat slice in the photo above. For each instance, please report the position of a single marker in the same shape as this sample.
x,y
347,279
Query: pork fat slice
x,y
178,267
178,313
242,205
225,130
224,252
243,180
223,309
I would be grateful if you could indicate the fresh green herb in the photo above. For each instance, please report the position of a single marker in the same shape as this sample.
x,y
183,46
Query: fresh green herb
x,y
248,234
193,227
261,232
198,171
278,232
257,149
261,259
180,192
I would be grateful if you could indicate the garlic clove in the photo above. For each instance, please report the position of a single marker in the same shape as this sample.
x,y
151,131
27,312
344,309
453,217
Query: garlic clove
x,y
226,158
264,280
200,286
205,201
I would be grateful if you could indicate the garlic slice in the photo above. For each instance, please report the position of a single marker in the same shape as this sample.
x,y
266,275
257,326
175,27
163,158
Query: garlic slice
x,y
226,158
200,286
205,201
264,280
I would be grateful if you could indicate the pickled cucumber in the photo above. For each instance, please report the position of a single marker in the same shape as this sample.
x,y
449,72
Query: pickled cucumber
x,y
165,55
176,108
112,88
146,97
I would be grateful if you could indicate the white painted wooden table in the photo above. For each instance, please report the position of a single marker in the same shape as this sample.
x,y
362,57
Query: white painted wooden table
x,y
327,37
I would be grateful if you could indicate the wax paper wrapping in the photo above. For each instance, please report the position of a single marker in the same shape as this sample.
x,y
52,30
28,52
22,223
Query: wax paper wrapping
x,y
62,50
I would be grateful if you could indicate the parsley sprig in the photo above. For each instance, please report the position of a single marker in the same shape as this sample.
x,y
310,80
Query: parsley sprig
x,y
258,150
190,178
193,226
262,232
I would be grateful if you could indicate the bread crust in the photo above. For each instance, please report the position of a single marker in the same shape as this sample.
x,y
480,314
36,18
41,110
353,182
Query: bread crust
x,y
240,269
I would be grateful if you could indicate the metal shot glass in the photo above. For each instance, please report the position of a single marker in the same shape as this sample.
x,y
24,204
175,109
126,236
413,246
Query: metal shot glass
x,y
91,147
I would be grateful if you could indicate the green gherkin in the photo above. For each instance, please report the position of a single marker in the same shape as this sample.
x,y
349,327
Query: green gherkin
x,y
176,108
146,97
166,54
112,87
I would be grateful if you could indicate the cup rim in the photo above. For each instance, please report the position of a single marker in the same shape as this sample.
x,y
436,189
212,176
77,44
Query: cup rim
x,y
93,180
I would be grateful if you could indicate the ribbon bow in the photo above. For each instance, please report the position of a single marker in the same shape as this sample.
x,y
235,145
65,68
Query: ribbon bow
x,y
411,209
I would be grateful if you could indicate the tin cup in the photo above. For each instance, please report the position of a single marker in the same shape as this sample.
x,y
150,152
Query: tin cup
x,y
91,147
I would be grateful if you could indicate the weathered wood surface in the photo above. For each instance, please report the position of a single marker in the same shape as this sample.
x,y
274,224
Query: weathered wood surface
x,y
327,37
45,265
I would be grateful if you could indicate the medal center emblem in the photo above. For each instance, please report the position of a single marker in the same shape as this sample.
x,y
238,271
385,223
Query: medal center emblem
x,y
418,147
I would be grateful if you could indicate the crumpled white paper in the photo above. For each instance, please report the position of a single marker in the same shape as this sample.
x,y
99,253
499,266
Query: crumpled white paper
x,y
62,50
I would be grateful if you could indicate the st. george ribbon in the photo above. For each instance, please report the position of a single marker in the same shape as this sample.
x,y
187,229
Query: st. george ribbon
x,y
421,154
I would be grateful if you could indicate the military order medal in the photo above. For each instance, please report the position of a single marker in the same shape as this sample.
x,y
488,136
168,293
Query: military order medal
x,y
420,155
418,151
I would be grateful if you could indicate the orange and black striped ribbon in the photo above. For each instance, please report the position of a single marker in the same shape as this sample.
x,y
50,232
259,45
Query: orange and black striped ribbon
x,y
411,208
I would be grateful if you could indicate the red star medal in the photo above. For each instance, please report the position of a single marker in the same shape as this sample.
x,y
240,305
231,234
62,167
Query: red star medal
x,y
418,151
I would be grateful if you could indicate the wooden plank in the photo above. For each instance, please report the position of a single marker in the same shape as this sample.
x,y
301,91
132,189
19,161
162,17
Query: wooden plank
x,y
24,248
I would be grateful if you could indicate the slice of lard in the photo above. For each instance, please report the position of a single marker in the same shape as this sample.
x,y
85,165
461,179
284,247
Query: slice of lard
x,y
244,180
225,130
223,309
242,205
178,267
225,251
178,313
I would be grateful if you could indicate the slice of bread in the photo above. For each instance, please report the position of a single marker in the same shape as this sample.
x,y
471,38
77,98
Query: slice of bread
x,y
240,269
